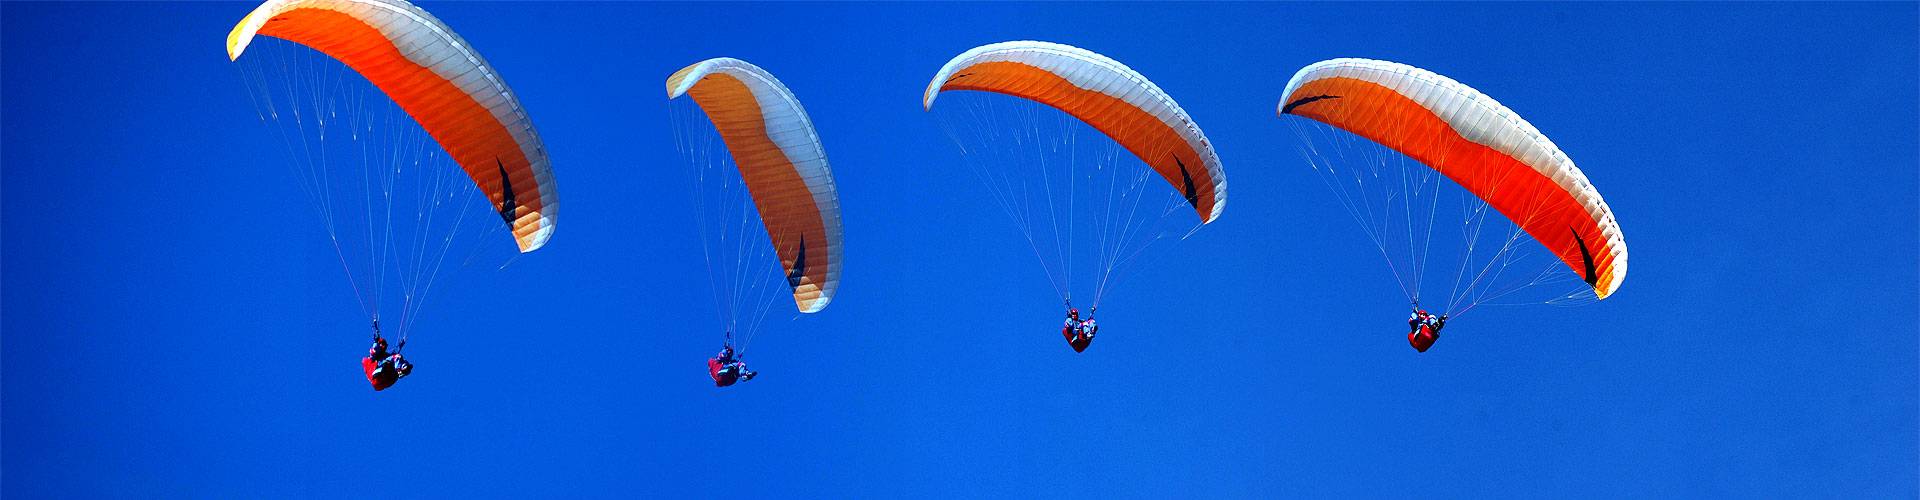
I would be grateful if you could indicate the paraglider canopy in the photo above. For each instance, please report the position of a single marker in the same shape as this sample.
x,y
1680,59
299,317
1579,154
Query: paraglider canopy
x,y
1106,95
1479,144
402,136
430,72
772,141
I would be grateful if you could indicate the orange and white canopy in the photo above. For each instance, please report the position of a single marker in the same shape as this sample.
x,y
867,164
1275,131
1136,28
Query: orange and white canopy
x,y
1106,95
432,74
785,168
1478,143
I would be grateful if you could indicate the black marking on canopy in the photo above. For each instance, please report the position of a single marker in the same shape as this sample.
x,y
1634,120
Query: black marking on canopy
x,y
799,265
509,210
1186,180
956,77
1586,258
1288,109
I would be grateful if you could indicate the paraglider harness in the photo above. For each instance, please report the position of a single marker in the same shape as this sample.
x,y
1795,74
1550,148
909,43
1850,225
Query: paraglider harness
x,y
1079,332
384,368
1424,328
727,369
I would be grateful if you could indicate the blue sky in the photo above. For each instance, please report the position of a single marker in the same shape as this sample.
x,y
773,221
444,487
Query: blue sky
x,y
175,325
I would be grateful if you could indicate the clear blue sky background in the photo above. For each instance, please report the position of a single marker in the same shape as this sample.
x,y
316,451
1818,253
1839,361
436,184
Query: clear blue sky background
x,y
174,323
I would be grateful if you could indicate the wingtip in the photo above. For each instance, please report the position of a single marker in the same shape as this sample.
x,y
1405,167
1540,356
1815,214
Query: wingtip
x,y
238,37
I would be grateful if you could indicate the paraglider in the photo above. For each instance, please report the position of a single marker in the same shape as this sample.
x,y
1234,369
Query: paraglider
x,y
1423,328
726,369
1430,125
1029,153
773,175
383,368
351,90
1079,332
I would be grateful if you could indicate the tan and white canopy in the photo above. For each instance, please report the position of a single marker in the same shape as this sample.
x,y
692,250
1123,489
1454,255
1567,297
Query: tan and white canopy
x,y
1105,94
1478,143
785,168
440,81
